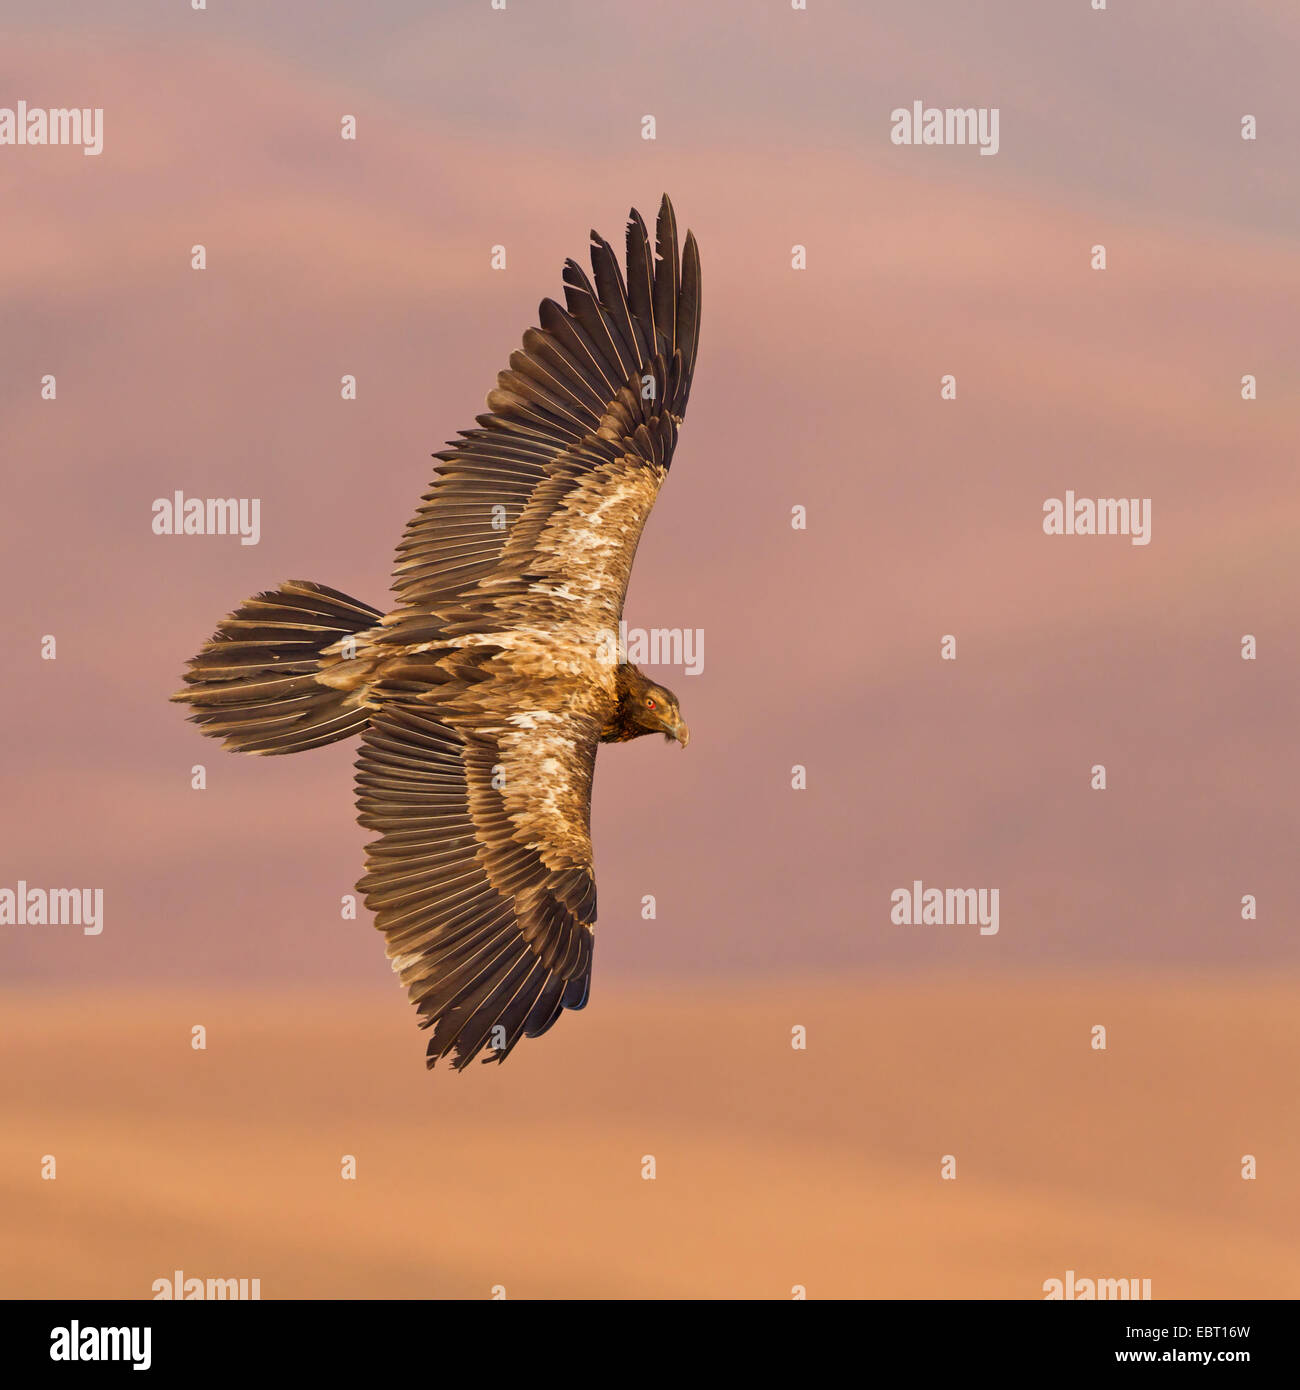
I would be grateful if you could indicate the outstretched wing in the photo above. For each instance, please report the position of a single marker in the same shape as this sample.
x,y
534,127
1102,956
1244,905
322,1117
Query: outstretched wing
x,y
482,876
481,879
550,493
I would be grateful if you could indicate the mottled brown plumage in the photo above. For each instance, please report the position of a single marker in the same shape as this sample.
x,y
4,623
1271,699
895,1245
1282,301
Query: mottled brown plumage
x,y
643,708
481,698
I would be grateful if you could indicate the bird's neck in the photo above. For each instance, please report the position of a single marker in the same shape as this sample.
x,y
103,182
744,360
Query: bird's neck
x,y
629,683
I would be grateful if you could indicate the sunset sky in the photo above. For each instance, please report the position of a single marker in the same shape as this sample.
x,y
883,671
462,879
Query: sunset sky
x,y
816,388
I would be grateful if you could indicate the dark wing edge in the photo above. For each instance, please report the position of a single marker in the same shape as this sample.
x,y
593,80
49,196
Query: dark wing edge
x,y
481,932
581,377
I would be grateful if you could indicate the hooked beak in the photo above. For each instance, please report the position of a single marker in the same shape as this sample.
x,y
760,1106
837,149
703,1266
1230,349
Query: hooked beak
x,y
681,733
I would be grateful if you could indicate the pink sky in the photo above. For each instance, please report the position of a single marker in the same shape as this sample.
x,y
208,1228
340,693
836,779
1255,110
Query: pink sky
x,y
818,388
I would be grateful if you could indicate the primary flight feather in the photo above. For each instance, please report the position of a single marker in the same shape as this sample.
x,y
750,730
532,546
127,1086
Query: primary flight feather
x,y
481,698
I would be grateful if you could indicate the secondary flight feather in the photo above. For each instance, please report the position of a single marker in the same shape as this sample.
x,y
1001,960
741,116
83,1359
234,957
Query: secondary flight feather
x,y
481,698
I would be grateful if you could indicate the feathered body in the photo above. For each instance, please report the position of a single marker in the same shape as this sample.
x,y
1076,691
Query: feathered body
x,y
481,697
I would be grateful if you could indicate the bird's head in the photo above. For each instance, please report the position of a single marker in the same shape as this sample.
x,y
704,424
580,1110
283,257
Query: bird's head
x,y
651,708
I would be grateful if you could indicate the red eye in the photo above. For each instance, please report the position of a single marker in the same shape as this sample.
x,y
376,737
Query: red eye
x,y
649,704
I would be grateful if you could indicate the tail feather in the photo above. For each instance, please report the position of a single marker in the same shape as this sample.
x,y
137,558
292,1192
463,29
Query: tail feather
x,y
255,685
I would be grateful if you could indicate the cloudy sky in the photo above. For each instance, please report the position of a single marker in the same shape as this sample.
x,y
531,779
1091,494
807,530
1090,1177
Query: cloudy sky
x,y
780,1167
817,388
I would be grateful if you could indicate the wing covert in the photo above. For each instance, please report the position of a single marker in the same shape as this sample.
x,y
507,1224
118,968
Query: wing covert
x,y
596,393
481,879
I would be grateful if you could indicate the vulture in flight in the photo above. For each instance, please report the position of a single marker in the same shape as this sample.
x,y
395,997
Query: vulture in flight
x,y
480,699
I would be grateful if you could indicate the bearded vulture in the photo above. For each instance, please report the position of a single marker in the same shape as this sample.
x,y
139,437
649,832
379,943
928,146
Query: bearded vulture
x,y
481,697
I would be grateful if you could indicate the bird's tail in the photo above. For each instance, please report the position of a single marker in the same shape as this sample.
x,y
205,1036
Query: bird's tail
x,y
266,683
